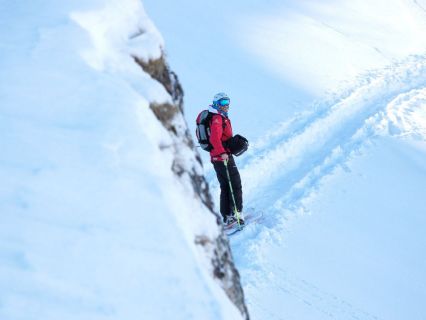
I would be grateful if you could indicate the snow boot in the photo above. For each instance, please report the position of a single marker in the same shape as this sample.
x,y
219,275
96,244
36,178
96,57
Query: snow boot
x,y
229,220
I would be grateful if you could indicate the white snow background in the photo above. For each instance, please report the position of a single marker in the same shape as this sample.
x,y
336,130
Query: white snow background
x,y
94,224
332,96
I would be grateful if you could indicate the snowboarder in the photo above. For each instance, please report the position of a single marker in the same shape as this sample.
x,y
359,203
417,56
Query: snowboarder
x,y
223,161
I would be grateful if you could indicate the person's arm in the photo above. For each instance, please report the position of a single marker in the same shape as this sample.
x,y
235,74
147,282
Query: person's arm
x,y
216,131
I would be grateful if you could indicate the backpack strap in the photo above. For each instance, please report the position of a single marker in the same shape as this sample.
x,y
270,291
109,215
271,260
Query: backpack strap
x,y
210,118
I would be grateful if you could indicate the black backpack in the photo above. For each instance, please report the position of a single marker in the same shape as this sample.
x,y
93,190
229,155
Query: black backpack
x,y
237,144
202,130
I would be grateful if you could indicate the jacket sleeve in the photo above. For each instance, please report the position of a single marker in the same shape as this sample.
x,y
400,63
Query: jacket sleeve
x,y
216,131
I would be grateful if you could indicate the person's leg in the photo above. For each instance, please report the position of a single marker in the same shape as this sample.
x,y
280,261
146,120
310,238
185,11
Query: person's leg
x,y
225,198
236,183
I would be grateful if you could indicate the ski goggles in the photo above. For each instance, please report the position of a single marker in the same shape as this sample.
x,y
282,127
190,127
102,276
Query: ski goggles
x,y
224,102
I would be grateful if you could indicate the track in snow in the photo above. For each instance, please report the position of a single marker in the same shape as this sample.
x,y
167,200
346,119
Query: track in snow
x,y
277,175
287,166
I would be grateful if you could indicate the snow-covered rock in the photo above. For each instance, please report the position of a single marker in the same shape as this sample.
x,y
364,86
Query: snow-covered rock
x,y
105,211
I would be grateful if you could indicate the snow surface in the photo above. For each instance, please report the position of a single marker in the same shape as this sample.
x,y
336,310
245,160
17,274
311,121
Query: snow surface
x,y
357,184
94,224
331,95
318,44
340,181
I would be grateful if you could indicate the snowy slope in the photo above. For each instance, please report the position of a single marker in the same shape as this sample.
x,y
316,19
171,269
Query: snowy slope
x,y
277,57
319,44
340,180
94,223
362,254
93,218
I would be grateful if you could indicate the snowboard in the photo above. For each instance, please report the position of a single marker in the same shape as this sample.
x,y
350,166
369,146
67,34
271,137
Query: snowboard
x,y
250,217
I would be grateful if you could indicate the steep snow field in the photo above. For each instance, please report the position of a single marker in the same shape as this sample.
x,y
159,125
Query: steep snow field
x,y
332,97
94,224
355,175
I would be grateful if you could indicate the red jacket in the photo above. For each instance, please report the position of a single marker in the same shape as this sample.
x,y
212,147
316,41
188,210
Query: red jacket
x,y
220,131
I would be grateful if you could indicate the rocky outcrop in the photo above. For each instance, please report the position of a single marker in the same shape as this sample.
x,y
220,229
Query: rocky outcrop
x,y
171,116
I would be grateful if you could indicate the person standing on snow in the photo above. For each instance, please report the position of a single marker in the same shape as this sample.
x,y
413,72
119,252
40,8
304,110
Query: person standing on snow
x,y
222,159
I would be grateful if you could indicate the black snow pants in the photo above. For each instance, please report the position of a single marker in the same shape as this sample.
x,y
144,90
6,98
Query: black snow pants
x,y
226,203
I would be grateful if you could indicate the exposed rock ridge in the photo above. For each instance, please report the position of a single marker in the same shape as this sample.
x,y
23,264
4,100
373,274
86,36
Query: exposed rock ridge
x,y
171,116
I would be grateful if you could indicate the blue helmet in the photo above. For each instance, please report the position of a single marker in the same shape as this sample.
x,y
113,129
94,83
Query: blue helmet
x,y
221,103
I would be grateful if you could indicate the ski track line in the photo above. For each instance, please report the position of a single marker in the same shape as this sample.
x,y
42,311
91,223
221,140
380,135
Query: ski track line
x,y
402,114
400,119
291,128
308,149
290,160
323,302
